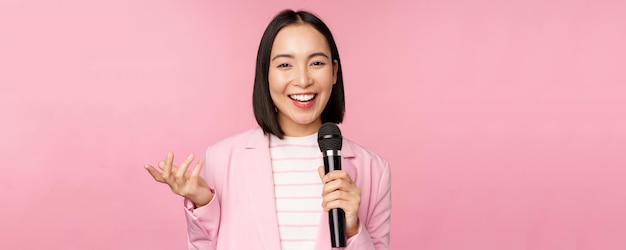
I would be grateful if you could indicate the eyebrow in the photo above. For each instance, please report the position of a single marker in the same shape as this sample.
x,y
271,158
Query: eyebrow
x,y
310,56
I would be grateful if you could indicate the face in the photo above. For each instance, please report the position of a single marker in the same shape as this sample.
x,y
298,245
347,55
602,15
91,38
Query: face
x,y
301,76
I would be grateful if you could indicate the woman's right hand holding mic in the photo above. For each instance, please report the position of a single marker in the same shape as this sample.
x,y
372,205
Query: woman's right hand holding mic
x,y
182,182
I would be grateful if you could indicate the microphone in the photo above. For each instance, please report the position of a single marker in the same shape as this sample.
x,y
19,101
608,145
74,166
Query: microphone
x,y
330,141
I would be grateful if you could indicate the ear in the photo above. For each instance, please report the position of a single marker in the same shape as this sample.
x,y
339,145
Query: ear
x,y
335,69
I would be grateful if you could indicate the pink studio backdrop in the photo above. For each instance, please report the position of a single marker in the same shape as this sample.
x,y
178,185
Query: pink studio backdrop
x,y
504,121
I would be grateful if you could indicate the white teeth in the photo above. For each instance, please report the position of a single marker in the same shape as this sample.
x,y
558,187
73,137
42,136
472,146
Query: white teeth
x,y
302,98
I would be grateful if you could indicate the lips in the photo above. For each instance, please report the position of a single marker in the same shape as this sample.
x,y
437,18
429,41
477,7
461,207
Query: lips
x,y
302,97
303,100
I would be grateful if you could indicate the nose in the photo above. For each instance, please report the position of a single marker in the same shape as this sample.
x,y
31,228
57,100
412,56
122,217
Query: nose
x,y
303,79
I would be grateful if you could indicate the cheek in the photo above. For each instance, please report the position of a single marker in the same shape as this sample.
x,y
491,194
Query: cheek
x,y
278,77
327,80
275,82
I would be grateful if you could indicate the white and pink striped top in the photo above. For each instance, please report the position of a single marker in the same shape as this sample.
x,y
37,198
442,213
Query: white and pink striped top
x,y
298,189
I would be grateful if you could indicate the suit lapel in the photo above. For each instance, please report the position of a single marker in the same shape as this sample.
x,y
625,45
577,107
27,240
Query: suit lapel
x,y
260,187
347,153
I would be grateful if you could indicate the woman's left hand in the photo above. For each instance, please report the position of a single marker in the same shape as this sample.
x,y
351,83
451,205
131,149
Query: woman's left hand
x,y
340,192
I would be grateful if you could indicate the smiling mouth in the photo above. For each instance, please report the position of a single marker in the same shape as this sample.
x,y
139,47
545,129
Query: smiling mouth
x,y
303,97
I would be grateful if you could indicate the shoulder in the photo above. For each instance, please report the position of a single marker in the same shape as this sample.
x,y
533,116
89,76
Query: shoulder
x,y
239,138
363,154
370,171
252,137
220,154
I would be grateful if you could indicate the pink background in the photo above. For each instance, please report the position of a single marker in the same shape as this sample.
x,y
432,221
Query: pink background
x,y
504,121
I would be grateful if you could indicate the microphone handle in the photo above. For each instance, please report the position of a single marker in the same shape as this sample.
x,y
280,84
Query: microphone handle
x,y
336,216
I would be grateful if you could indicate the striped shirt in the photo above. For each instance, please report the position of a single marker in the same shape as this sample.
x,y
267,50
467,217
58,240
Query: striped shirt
x,y
298,189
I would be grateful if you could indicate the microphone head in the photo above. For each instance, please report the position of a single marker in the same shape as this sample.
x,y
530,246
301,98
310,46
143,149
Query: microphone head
x,y
329,137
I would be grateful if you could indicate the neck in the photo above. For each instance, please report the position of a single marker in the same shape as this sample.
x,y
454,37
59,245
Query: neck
x,y
299,130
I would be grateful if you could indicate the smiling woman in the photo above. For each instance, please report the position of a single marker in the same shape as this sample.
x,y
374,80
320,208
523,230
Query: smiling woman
x,y
301,77
266,188
297,48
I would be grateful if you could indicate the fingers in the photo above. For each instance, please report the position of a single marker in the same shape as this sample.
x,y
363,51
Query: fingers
x,y
337,180
333,175
338,195
154,173
192,181
339,186
337,174
167,166
339,191
180,173
173,175
162,164
349,201
347,205
197,169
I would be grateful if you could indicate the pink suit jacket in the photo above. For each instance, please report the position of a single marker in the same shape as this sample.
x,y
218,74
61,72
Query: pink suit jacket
x,y
242,214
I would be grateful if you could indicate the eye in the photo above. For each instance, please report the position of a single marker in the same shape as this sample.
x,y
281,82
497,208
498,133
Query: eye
x,y
318,63
283,65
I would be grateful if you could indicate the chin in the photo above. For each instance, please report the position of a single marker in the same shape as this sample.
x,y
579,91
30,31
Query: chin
x,y
306,121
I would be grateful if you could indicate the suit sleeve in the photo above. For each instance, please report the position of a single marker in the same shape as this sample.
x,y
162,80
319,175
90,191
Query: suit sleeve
x,y
203,222
374,234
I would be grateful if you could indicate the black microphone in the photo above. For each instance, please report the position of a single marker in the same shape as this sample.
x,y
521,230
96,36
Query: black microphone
x,y
330,141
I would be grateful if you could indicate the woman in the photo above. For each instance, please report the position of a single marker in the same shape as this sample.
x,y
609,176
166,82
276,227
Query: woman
x,y
262,189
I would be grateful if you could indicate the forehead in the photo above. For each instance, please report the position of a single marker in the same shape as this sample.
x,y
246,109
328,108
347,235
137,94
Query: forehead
x,y
300,38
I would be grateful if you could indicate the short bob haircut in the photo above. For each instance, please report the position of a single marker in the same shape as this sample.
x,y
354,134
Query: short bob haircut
x,y
264,109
